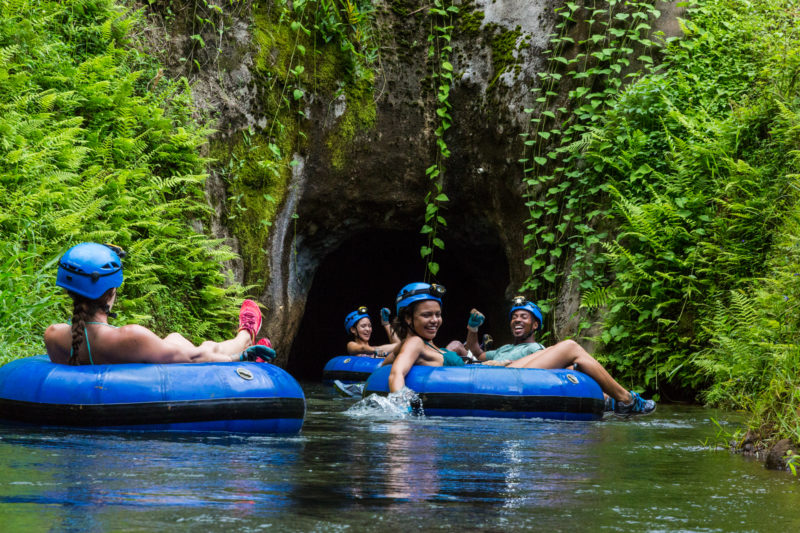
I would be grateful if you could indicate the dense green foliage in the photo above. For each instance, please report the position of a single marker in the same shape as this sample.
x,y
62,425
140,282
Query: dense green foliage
x,y
562,197
694,264
96,145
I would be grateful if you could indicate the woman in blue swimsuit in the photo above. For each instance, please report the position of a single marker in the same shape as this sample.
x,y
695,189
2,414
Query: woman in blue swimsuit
x,y
91,273
419,317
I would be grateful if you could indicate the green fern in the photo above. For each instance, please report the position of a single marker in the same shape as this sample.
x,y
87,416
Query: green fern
x,y
87,153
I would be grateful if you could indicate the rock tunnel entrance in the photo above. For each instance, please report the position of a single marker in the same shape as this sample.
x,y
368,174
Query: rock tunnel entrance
x,y
370,267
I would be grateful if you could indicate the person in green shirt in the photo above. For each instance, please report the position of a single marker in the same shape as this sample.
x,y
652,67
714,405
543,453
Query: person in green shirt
x,y
525,319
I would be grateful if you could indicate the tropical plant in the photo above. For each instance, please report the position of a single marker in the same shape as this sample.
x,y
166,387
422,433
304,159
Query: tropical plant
x,y
96,146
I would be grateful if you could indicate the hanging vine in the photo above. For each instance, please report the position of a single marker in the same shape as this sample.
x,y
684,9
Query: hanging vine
x,y
564,203
439,52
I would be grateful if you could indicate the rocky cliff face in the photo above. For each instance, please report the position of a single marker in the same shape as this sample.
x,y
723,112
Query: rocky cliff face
x,y
382,185
357,180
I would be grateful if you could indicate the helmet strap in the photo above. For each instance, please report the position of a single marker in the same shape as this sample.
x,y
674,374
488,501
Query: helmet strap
x,y
410,325
531,334
107,310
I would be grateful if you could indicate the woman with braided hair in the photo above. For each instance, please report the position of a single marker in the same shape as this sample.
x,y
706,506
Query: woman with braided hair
x,y
91,274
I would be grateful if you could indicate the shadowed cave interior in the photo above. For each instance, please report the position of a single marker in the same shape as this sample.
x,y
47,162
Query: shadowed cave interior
x,y
371,267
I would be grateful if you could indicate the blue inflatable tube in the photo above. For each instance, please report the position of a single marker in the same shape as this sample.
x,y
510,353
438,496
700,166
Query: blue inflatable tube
x,y
480,390
349,368
231,397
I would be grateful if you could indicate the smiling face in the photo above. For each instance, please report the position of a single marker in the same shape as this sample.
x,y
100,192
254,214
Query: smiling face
x,y
426,320
523,324
363,329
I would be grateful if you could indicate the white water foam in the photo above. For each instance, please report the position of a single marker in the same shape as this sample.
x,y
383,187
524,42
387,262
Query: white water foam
x,y
402,404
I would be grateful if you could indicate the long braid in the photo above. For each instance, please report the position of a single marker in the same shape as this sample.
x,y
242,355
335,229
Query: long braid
x,y
80,312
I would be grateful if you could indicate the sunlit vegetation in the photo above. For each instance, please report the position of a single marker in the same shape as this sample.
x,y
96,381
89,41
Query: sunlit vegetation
x,y
686,238
96,145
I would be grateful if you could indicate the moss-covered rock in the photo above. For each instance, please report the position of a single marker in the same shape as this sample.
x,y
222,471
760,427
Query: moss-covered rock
x,y
358,116
505,45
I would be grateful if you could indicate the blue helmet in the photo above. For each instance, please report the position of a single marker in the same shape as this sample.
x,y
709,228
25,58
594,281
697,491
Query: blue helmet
x,y
521,303
417,292
352,318
90,269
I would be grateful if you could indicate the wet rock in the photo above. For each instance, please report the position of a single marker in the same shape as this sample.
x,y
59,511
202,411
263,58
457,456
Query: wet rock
x,y
776,456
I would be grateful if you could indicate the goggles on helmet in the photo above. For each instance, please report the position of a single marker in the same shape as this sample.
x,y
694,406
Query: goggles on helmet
x,y
417,292
518,300
433,290
519,303
116,249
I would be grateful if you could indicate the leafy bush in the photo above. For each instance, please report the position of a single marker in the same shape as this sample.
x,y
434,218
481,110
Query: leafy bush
x,y
96,145
699,162
697,190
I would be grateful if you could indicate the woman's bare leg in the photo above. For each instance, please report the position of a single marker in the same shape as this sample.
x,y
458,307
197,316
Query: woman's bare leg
x,y
567,353
179,340
228,347
231,346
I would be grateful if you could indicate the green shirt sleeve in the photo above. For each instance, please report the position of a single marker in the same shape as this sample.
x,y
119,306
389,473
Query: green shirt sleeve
x,y
512,352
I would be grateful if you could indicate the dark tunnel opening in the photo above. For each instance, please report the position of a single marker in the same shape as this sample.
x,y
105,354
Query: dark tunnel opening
x,y
371,267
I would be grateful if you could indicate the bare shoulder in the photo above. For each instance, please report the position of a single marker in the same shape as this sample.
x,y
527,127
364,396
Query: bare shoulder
x,y
412,344
57,330
415,341
134,331
355,347
57,341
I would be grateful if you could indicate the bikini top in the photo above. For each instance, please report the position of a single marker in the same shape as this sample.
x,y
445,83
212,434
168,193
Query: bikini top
x,y
449,358
86,336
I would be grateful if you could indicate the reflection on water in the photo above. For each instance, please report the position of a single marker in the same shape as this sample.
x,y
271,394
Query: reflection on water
x,y
365,469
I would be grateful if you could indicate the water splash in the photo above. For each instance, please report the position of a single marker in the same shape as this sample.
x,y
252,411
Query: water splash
x,y
402,404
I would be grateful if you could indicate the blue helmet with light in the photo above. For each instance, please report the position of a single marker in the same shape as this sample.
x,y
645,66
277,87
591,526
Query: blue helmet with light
x,y
352,318
520,303
90,269
417,292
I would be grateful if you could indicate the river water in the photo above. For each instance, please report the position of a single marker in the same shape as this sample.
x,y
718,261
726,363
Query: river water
x,y
359,467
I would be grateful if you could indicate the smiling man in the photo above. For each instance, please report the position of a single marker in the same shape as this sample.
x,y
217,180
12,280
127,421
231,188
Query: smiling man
x,y
525,319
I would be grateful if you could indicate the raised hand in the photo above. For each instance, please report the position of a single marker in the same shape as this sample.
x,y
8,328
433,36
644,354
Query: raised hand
x,y
475,321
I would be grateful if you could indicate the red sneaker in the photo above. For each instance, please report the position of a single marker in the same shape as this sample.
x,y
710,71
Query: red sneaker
x,y
264,342
250,319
